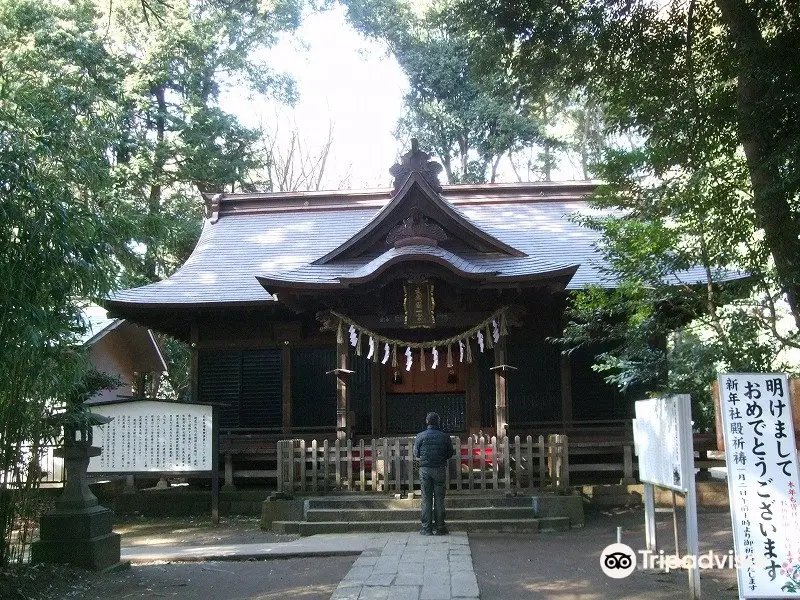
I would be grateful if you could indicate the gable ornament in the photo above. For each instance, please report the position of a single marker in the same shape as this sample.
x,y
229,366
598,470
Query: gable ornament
x,y
416,161
416,230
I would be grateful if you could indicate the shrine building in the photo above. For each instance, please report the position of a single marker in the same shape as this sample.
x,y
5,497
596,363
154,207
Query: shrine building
x,y
354,313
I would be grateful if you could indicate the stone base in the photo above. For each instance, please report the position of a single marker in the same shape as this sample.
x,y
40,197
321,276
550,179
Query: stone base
x,y
552,506
280,510
610,495
75,525
82,538
710,494
96,554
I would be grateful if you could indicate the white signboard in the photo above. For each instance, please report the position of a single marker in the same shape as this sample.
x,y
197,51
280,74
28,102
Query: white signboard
x,y
153,436
659,436
762,483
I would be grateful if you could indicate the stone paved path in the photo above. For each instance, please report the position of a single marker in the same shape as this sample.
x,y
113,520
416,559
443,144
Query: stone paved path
x,y
409,566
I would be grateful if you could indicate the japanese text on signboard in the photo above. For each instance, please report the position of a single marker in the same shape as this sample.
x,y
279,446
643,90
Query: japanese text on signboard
x,y
153,436
763,482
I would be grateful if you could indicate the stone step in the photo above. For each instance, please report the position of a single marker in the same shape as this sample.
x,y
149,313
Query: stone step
x,y
484,513
503,525
387,502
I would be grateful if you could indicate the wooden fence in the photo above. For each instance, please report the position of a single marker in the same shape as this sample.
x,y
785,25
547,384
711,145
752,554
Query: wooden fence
x,y
388,465
46,467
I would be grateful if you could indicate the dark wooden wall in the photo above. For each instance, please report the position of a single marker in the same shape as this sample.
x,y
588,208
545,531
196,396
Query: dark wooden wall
x,y
246,382
273,374
313,390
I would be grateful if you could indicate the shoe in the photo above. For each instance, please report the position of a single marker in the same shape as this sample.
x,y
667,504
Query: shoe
x,y
424,531
441,531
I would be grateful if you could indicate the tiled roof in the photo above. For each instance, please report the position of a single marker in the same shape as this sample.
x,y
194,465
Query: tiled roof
x,y
464,265
280,236
97,324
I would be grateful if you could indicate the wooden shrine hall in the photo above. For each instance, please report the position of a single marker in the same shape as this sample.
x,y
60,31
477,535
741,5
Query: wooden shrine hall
x,y
354,313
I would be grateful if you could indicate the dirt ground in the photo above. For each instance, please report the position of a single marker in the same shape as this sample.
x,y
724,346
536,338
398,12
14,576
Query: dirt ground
x,y
566,565
301,578
541,566
194,531
190,581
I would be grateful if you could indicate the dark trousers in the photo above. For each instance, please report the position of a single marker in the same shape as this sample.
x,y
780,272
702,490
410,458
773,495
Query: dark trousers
x,y
432,480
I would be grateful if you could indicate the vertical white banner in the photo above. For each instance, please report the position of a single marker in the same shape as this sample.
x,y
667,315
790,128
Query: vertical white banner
x,y
762,482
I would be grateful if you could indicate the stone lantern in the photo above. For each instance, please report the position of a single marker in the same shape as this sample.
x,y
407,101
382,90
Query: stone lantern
x,y
79,530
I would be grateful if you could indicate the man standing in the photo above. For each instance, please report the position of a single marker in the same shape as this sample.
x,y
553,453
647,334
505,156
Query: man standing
x,y
433,447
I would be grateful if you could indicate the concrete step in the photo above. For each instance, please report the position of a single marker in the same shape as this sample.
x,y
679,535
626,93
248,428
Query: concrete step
x,y
387,502
505,525
485,513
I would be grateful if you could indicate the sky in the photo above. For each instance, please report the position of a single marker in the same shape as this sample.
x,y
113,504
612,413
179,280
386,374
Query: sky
x,y
355,84
343,79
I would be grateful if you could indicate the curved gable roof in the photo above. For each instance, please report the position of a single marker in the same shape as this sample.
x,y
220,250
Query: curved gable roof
x,y
416,194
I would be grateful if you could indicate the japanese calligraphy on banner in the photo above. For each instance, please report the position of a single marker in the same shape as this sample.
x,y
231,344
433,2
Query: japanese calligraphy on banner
x,y
762,482
153,436
662,436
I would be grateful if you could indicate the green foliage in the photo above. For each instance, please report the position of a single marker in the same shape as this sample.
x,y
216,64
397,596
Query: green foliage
x,y
179,358
707,97
469,119
178,140
108,123
91,383
709,92
692,370
58,92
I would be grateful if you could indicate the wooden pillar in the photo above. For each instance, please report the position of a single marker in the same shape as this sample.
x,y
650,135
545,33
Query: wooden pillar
x,y
376,399
566,391
500,388
472,396
194,382
342,373
286,388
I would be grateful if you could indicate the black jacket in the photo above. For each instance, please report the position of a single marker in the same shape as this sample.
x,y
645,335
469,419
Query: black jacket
x,y
433,447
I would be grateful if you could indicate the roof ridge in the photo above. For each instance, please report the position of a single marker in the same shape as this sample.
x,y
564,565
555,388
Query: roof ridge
x,y
455,194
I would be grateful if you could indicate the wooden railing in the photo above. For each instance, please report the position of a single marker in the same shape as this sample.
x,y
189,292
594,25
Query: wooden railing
x,y
251,452
590,460
46,469
388,465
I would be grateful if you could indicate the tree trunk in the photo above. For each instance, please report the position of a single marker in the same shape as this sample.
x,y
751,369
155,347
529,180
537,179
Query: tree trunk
x,y
448,168
154,197
463,148
495,164
758,135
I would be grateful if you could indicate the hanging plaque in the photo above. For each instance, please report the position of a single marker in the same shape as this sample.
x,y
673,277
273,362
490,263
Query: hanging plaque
x,y
418,304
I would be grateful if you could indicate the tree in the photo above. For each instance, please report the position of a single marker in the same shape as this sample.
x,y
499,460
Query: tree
x,y
470,120
697,82
108,123
290,162
179,140
58,109
708,95
588,140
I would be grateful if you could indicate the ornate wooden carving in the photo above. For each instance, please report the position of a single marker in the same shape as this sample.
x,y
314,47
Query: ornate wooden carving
x,y
416,229
415,160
